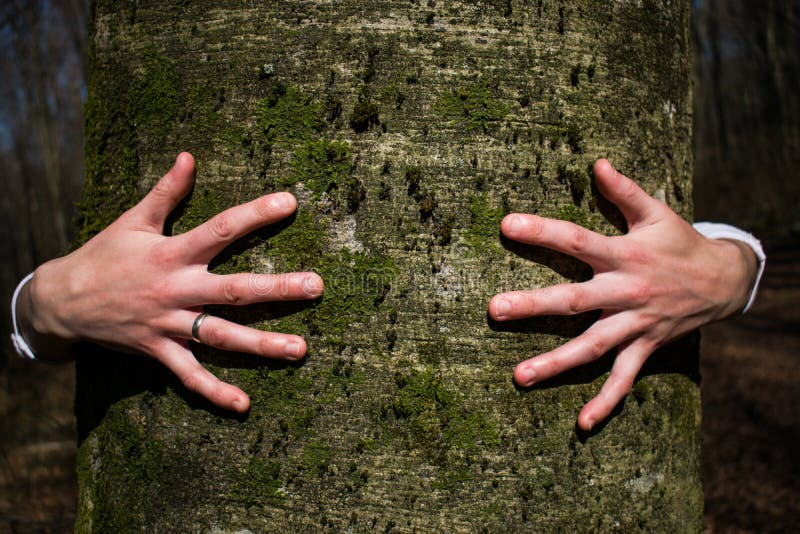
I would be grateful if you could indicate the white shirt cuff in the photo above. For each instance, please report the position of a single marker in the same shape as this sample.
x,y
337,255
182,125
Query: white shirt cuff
x,y
20,345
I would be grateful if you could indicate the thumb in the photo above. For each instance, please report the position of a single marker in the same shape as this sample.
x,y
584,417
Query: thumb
x,y
156,206
636,205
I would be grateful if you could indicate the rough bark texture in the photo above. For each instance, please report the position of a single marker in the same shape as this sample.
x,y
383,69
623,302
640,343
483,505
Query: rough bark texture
x,y
407,130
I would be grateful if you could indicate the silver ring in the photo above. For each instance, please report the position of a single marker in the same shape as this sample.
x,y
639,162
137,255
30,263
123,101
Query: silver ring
x,y
196,326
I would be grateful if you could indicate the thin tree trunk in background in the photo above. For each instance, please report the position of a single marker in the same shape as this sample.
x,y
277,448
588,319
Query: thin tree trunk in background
x,y
406,130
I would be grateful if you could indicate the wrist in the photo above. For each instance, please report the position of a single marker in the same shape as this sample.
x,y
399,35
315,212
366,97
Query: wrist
x,y
743,269
42,329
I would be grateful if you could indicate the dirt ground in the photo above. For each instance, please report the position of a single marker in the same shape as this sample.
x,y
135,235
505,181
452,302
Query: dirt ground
x,y
751,425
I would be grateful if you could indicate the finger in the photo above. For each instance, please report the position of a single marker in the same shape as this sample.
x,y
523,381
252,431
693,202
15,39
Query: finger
x,y
600,338
561,299
225,335
618,384
249,288
208,239
156,206
198,379
558,235
636,206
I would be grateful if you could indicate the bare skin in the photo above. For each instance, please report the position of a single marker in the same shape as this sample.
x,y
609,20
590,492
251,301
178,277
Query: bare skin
x,y
134,289
657,282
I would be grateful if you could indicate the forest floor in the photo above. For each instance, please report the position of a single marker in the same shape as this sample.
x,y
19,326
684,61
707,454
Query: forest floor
x,y
751,423
750,370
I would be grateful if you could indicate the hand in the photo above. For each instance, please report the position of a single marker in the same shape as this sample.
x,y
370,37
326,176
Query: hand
x,y
132,288
657,282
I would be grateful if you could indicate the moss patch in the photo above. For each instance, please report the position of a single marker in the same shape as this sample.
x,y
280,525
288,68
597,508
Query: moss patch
x,y
355,285
484,229
287,114
298,247
155,98
135,485
473,106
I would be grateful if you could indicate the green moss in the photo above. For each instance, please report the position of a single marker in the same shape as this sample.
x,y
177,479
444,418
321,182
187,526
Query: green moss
x,y
484,230
155,98
323,166
432,352
355,285
111,150
287,114
473,106
298,247
259,481
202,109
315,458
206,201
124,492
574,214
436,416
393,95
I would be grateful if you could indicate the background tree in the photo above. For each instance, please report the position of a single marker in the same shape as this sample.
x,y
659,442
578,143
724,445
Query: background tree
x,y
406,131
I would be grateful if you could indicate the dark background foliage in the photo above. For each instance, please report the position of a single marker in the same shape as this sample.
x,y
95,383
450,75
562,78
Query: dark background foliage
x,y
747,151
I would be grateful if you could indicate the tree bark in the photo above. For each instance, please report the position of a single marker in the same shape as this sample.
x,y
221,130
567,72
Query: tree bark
x,y
406,130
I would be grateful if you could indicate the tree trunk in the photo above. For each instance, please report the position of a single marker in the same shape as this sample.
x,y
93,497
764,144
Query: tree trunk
x,y
406,130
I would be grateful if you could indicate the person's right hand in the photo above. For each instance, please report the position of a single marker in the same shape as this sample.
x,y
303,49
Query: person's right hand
x,y
132,288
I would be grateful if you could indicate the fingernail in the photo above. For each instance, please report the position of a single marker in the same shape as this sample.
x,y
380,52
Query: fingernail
x,y
293,349
502,307
239,404
589,423
515,224
527,376
313,285
281,201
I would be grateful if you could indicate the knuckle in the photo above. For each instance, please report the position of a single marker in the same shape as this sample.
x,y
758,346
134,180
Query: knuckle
x,y
161,254
628,190
595,346
576,239
639,294
193,381
230,292
576,299
535,228
162,189
624,384
221,227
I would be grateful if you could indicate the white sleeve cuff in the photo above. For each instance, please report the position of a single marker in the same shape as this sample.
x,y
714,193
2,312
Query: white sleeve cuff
x,y
20,345
726,231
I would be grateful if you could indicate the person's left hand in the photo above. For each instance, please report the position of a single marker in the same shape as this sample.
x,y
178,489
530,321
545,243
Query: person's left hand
x,y
657,282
